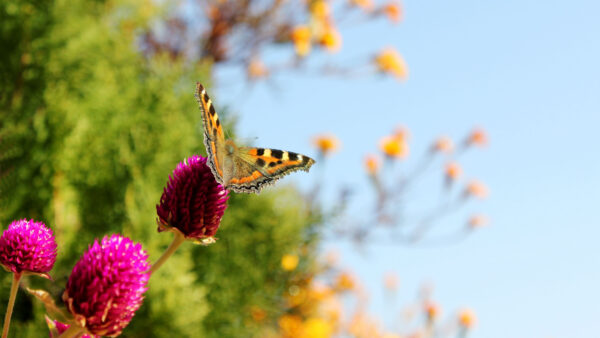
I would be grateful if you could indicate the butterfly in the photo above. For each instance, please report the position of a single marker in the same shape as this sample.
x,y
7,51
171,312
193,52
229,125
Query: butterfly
x,y
243,169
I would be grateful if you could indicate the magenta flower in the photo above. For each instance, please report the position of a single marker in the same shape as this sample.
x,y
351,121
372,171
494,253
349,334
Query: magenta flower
x,y
27,246
193,202
107,284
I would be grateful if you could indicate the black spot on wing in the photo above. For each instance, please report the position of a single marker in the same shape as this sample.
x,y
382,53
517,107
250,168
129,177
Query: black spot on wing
x,y
292,156
278,154
260,162
218,122
272,164
212,110
260,151
206,98
305,160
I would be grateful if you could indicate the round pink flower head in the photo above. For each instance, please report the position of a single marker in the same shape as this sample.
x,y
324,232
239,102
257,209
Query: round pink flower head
x,y
192,202
107,285
28,246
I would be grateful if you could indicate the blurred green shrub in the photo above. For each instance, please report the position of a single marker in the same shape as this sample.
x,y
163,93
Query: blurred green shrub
x,y
90,129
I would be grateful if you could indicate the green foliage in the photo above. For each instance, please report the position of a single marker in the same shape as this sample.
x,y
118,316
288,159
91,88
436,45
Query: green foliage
x,y
256,232
90,129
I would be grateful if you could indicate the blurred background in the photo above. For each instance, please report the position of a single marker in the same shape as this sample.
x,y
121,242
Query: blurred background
x,y
456,183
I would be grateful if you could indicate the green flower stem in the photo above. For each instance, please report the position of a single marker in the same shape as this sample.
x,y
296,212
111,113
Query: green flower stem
x,y
14,288
72,331
177,240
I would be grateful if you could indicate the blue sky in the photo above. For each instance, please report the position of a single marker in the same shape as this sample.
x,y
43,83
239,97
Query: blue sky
x,y
529,72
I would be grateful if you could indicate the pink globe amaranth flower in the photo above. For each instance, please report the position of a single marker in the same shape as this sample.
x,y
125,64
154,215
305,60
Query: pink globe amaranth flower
x,y
107,284
192,202
28,246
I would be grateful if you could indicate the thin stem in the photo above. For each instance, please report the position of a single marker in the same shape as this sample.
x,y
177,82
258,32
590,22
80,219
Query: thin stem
x,y
11,302
178,238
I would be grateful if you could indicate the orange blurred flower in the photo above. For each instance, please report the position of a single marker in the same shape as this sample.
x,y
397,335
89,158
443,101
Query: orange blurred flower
x,y
390,281
477,221
301,38
290,325
372,164
258,314
477,189
390,335
478,137
419,333
443,144
345,282
466,318
432,310
320,291
326,143
331,39
393,10
361,326
289,262
389,61
393,146
402,132
256,69
453,171
366,5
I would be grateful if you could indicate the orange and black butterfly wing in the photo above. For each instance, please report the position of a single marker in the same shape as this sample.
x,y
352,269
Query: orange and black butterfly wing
x,y
214,138
256,168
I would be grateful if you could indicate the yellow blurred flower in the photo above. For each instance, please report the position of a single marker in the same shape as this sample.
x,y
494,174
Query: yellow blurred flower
x,y
320,9
366,5
301,38
466,318
345,282
390,281
394,147
289,262
331,39
478,137
317,328
393,10
372,164
477,189
443,144
326,143
256,69
453,171
389,61
477,221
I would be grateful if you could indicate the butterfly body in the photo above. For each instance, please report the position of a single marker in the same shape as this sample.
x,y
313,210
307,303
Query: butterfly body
x,y
243,169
